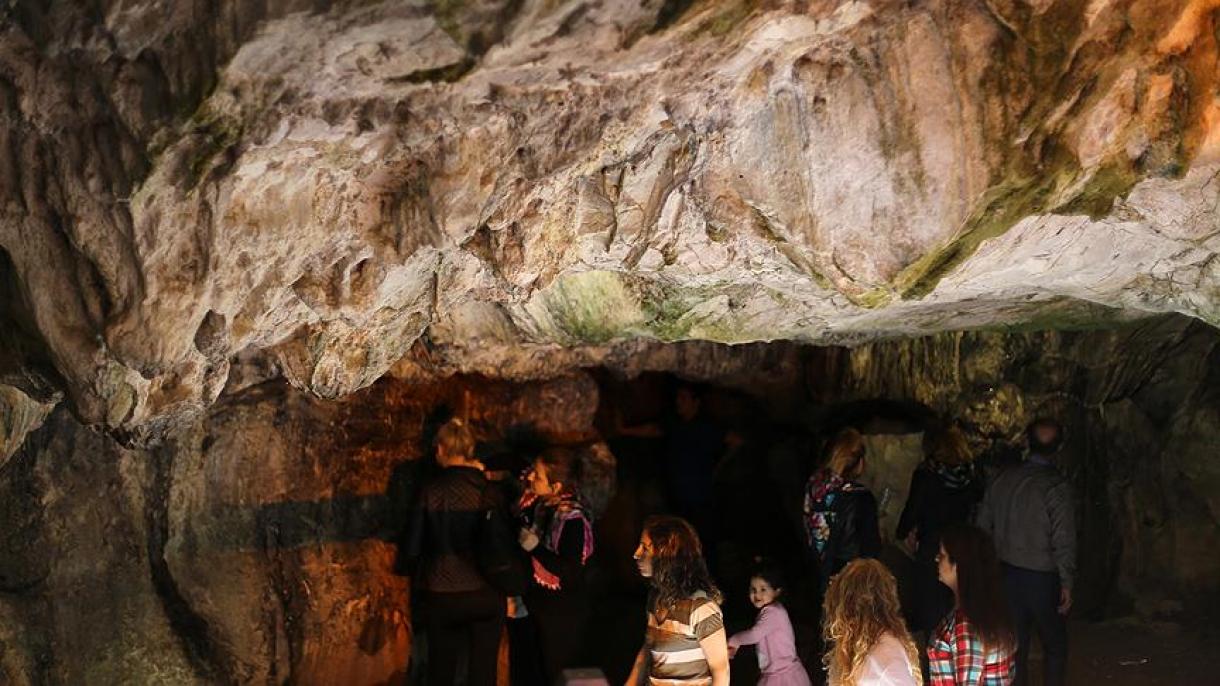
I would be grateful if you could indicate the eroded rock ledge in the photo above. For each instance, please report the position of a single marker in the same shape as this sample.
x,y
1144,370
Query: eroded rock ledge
x,y
184,182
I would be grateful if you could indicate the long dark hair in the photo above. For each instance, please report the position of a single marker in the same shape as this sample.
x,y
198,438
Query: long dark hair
x,y
586,471
678,569
980,593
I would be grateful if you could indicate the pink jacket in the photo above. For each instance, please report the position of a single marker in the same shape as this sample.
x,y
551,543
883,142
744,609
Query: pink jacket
x,y
772,631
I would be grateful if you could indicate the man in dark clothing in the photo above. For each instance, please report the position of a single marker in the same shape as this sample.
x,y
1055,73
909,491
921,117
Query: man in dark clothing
x,y
1028,511
693,447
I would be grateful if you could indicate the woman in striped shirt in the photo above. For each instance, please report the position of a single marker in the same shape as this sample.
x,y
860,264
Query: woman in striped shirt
x,y
686,643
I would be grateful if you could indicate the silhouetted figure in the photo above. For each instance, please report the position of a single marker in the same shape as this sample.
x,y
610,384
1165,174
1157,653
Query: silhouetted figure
x,y
458,522
1029,511
693,447
841,513
945,489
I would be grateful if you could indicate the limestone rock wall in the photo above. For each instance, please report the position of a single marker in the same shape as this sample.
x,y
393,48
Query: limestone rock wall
x,y
333,182
258,546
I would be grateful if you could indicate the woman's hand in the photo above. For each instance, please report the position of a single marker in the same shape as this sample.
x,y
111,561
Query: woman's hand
x,y
528,540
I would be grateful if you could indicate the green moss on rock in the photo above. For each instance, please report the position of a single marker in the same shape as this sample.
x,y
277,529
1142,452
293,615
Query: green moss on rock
x,y
873,298
591,308
217,133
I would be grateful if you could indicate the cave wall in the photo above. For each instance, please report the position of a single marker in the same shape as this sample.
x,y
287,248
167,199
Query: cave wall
x,y
257,544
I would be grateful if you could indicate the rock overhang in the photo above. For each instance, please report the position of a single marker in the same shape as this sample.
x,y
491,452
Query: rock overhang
x,y
332,188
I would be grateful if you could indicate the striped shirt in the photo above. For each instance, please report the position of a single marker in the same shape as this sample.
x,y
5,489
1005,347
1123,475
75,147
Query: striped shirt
x,y
676,658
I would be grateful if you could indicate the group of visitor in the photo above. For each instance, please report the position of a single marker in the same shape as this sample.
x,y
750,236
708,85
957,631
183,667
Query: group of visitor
x,y
472,573
1004,557
993,561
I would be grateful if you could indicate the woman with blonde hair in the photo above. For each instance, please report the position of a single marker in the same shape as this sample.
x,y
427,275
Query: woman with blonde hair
x,y
459,526
840,512
862,623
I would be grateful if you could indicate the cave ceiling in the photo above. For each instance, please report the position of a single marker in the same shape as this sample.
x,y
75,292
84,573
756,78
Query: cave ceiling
x,y
353,189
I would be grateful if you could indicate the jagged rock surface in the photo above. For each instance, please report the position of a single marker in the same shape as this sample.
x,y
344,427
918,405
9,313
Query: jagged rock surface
x,y
330,183
257,546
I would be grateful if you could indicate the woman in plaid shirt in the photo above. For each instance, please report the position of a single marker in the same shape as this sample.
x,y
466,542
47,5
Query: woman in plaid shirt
x,y
974,644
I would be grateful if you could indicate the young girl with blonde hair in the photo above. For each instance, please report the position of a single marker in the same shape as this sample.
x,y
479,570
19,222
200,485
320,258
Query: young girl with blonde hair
x,y
863,627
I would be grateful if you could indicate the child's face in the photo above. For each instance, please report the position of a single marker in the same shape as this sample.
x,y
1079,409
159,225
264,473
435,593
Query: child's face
x,y
761,593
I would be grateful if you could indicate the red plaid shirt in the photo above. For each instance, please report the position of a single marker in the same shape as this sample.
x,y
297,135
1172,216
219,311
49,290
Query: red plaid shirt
x,y
957,656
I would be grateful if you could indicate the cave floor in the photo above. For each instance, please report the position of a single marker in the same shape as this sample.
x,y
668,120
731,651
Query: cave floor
x,y
1124,652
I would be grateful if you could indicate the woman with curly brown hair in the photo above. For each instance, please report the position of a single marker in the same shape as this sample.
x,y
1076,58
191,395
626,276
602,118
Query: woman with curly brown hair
x,y
862,623
685,642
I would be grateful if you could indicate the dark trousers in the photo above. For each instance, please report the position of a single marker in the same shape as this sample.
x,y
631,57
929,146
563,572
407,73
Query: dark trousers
x,y
561,620
1034,599
524,654
463,625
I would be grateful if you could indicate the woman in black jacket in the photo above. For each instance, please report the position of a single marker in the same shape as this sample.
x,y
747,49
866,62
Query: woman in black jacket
x,y
945,490
455,519
566,490
841,513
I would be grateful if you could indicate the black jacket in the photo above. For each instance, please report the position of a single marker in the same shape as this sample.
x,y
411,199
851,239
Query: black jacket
x,y
854,531
444,535
939,496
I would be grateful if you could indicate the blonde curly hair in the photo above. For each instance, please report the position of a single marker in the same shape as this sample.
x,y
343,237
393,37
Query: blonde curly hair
x,y
861,606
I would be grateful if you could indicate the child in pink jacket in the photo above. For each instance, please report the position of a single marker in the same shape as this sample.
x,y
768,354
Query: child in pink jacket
x,y
772,633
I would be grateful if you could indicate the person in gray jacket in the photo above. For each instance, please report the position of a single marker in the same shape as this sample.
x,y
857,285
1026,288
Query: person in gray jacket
x,y
1028,511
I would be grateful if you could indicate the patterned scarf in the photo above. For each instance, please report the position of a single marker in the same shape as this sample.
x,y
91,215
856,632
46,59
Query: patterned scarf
x,y
819,497
550,516
954,477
